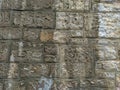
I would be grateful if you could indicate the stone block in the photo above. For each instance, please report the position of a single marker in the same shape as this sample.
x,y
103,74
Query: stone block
x,y
10,33
107,6
46,36
15,84
3,70
66,84
27,51
91,25
74,70
38,70
4,48
5,18
109,25
106,52
34,19
104,75
65,36
69,5
27,4
31,34
103,83
108,65
69,20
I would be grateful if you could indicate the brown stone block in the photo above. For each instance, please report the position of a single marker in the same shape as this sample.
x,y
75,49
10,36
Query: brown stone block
x,y
46,36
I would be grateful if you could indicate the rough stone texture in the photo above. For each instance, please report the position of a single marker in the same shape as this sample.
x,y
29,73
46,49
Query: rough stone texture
x,y
34,19
59,44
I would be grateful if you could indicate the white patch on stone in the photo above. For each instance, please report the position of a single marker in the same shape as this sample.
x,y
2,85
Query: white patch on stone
x,y
20,48
47,83
12,58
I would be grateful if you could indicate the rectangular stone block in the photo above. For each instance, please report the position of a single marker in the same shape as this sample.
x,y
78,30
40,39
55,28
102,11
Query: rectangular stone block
x,y
3,70
91,25
65,36
74,70
27,4
108,65
69,20
14,84
66,84
5,18
46,35
10,33
4,48
104,83
31,34
107,52
38,69
101,74
107,6
109,25
27,51
34,19
69,5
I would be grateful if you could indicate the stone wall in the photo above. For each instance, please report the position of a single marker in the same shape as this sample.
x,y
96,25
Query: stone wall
x,y
59,44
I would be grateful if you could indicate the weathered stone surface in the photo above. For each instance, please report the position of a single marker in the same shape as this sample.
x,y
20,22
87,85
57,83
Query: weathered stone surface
x,y
3,70
69,20
10,33
108,6
64,36
91,25
5,19
46,36
109,25
106,52
27,51
66,84
73,70
103,75
108,65
31,34
38,70
14,84
34,19
26,4
3,51
69,5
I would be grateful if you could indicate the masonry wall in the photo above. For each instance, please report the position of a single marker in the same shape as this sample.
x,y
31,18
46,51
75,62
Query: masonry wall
x,y
59,44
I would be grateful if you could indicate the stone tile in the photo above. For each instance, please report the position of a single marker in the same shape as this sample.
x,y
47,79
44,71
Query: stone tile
x,y
27,51
46,36
31,34
64,36
108,65
69,20
27,4
109,25
74,70
3,70
66,84
10,33
69,5
15,84
34,19
5,18
107,6
38,70
4,47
